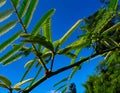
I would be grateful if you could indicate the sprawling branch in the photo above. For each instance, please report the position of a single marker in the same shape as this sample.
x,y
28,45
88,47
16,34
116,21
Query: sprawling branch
x,y
66,68
25,31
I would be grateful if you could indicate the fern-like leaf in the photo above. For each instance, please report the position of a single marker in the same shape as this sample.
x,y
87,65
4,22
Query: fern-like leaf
x,y
5,28
37,27
2,2
11,52
12,59
29,66
30,12
16,86
24,7
5,80
16,3
9,41
47,29
69,32
59,82
5,14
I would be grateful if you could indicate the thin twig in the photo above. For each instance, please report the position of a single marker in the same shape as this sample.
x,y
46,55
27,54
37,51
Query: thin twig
x,y
52,62
25,31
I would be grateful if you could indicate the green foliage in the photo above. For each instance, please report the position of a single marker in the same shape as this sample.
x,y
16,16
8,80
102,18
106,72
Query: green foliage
x,y
5,14
2,2
5,81
100,32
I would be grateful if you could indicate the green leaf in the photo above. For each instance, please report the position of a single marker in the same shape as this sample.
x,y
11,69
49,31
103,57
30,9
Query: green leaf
x,y
106,32
11,52
76,53
40,40
6,81
29,63
23,82
113,4
37,27
7,27
36,76
9,41
12,59
16,3
47,29
2,2
63,80
29,12
3,86
75,69
78,44
69,54
61,87
69,32
24,7
5,14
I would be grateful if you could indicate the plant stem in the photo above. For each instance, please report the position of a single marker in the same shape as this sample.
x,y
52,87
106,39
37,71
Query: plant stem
x,y
65,68
25,31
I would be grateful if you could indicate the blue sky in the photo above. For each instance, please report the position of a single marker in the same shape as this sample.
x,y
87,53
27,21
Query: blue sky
x,y
67,13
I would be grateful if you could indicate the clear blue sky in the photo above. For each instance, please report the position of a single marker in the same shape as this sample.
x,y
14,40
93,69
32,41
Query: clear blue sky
x,y
67,13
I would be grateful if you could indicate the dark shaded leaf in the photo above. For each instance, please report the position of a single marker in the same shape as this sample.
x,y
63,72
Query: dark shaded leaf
x,y
6,81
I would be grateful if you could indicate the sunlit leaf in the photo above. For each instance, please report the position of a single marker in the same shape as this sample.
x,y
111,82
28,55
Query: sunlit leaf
x,y
61,81
24,7
22,82
2,2
113,4
69,32
29,12
29,63
9,41
11,52
6,81
75,45
5,28
12,59
5,14
37,27
40,40
16,3
47,29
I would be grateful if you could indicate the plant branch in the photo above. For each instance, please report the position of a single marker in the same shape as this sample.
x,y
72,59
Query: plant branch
x,y
25,31
65,68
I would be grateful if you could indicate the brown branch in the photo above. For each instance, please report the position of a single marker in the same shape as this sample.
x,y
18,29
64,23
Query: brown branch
x,y
25,31
65,68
